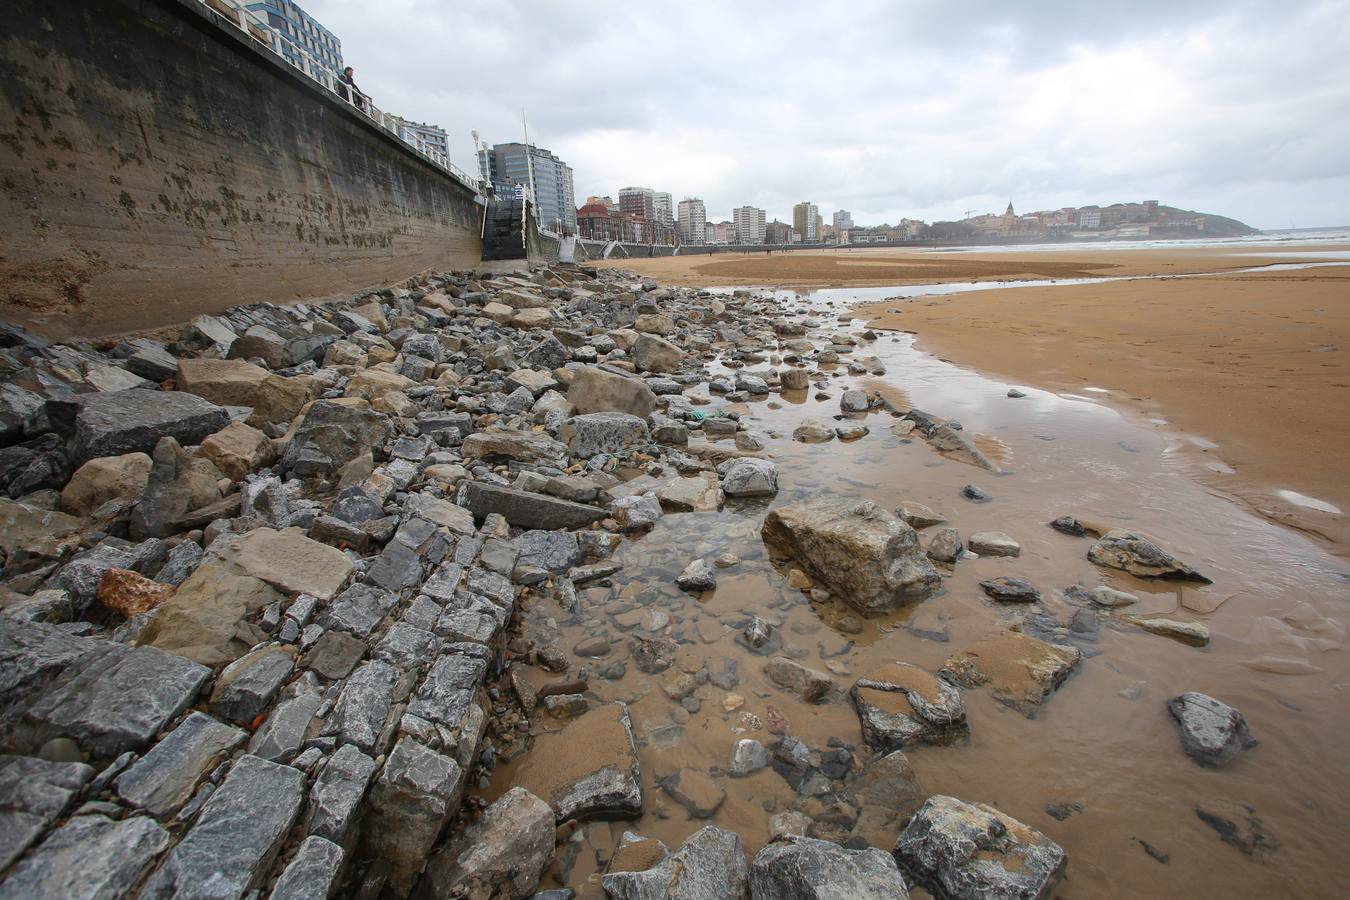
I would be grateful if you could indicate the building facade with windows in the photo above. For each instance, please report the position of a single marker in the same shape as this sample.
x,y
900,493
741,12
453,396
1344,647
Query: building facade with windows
x,y
508,166
425,138
805,217
777,232
693,219
749,224
638,201
301,40
664,206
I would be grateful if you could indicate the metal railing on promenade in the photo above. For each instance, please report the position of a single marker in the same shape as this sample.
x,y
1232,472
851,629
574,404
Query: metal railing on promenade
x,y
234,13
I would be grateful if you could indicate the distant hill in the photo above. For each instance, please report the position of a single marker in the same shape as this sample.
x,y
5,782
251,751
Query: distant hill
x,y
1143,219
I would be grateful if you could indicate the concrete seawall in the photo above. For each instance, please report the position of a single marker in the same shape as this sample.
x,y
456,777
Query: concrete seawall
x,y
154,166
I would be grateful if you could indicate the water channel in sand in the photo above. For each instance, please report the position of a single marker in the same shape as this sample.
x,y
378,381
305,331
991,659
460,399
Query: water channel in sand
x,y
1275,610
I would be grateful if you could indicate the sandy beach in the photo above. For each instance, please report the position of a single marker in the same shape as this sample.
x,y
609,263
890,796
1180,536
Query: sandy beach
x,y
1252,369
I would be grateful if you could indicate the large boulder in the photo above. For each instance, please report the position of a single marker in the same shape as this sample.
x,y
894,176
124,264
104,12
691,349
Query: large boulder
x,y
234,382
803,868
501,855
107,478
595,390
411,800
179,483
861,552
900,705
237,449
588,769
133,421
970,851
653,354
1020,670
331,434
510,443
1133,553
525,508
748,476
201,620
710,865
603,432
1212,732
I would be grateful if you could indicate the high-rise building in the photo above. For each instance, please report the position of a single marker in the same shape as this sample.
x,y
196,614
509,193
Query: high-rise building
x,y
805,217
638,201
777,232
693,221
842,221
303,42
425,138
509,165
665,207
749,222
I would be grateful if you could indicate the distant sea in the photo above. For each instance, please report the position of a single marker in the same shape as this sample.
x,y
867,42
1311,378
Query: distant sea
x,y
1284,238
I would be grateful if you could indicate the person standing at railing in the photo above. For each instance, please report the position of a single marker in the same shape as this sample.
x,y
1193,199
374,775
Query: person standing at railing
x,y
345,82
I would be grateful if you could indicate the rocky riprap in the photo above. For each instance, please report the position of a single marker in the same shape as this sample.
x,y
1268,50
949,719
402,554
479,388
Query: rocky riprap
x,y
262,608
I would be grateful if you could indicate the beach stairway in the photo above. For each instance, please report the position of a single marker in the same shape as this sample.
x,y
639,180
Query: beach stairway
x,y
503,234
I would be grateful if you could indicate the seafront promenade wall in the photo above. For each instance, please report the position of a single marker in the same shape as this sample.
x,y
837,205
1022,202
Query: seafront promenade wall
x,y
154,165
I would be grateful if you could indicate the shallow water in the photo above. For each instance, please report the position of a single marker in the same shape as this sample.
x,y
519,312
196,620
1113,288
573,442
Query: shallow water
x,y
1276,611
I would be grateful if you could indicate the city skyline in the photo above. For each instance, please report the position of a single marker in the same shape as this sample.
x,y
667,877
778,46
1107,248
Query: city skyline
x,y
1051,105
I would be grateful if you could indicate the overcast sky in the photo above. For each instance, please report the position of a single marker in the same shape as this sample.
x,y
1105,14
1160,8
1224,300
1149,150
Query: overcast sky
x,y
889,109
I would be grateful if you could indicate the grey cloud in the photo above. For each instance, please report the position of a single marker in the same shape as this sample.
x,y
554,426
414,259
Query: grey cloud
x,y
890,109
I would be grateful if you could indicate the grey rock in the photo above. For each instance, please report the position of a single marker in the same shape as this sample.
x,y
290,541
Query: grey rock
x,y
33,793
638,513
994,543
653,354
334,654
853,401
803,868
748,756
230,849
1006,589
182,561
522,446
604,432
526,509
361,608
447,692
810,685
118,422
311,873
749,477
359,715
502,854
698,576
246,687
281,736
710,865
396,569
119,699
865,555
1139,556
339,788
596,390
888,792
80,576
90,857
406,646
166,777
1212,732
409,804
945,545
900,705
330,436
958,445
552,551
966,851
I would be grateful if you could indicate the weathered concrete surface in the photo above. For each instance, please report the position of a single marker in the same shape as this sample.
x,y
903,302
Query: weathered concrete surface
x,y
117,171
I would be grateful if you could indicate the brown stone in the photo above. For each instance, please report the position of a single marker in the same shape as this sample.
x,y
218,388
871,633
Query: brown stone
x,y
131,593
237,450
103,479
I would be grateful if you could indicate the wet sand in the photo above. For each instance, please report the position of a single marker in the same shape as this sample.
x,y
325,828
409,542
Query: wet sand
x,y
1104,741
1255,368
860,267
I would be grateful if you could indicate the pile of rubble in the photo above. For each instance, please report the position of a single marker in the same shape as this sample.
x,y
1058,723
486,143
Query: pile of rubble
x,y
259,588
